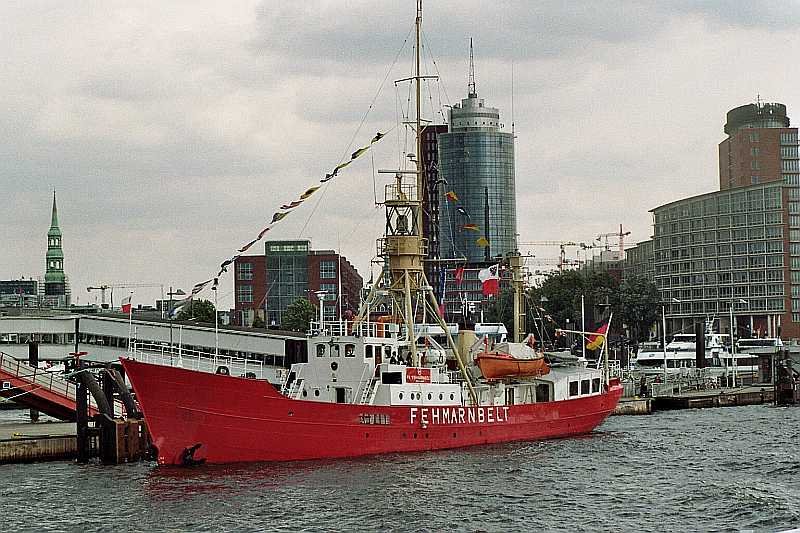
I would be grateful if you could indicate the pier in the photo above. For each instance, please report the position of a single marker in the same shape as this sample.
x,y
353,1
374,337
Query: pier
x,y
46,441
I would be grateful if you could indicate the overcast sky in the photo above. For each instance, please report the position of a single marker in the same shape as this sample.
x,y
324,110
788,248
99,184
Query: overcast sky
x,y
173,130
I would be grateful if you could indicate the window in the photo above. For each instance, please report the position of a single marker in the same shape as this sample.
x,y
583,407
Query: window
x,y
334,350
754,165
349,350
573,388
320,350
330,289
244,294
585,386
245,271
327,269
595,384
368,351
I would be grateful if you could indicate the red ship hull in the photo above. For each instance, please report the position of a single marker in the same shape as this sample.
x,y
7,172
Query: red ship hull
x,y
237,419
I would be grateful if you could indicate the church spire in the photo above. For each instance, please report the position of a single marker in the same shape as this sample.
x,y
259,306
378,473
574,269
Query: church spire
x,y
471,92
54,218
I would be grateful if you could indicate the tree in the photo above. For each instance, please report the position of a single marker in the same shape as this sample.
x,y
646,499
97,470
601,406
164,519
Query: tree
x,y
637,305
199,311
298,315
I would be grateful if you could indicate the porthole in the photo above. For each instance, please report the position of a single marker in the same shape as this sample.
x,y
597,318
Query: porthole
x,y
430,396
316,392
401,396
334,365
305,393
452,396
441,396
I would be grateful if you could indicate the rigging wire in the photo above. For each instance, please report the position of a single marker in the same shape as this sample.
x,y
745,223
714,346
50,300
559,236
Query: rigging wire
x,y
360,125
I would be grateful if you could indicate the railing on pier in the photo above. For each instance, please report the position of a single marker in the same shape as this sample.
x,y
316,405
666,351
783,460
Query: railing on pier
x,y
37,380
164,354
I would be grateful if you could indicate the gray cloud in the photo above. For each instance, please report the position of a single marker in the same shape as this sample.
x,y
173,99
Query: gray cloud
x,y
172,131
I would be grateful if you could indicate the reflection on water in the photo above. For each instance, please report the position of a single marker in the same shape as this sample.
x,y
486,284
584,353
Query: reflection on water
x,y
703,470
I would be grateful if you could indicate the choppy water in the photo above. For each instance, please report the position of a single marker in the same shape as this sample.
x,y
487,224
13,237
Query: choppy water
x,y
727,469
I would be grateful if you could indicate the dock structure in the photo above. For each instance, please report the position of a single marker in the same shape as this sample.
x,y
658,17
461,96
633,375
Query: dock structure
x,y
729,397
46,441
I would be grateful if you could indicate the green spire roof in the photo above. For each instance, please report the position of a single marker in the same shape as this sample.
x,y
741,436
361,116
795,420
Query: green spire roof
x,y
55,231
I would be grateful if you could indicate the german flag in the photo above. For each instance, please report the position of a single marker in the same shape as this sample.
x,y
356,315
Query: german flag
x,y
595,341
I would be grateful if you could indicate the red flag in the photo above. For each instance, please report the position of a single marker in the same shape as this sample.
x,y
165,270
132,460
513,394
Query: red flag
x,y
441,314
126,304
490,279
459,275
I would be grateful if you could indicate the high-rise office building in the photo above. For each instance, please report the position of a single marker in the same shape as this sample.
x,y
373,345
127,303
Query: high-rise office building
x,y
756,150
476,159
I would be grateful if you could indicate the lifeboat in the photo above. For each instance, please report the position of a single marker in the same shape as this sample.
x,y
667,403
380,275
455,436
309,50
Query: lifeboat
x,y
510,360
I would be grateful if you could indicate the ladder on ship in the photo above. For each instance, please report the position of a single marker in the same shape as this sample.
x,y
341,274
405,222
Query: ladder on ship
x,y
368,395
294,391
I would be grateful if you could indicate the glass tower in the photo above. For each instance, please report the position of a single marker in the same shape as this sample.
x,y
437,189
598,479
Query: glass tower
x,y
477,161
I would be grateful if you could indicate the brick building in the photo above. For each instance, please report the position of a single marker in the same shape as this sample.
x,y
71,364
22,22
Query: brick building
x,y
265,285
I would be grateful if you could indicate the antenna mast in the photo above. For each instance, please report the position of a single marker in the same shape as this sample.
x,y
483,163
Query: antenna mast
x,y
471,91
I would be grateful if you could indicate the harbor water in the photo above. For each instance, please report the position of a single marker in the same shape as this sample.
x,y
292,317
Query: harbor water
x,y
726,469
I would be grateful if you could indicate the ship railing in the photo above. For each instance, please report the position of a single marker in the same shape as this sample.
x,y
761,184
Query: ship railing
x,y
38,379
343,328
164,354
455,376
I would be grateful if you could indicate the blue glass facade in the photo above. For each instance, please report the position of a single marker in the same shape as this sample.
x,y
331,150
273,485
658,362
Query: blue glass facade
x,y
476,157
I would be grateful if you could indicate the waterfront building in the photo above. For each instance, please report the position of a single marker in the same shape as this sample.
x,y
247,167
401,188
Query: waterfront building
x,y
266,285
19,293
56,288
735,251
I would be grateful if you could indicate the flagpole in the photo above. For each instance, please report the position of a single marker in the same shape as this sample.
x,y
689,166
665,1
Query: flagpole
x,y
583,328
216,321
130,322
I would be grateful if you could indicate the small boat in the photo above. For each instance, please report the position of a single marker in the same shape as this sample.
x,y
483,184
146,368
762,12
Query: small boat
x,y
511,359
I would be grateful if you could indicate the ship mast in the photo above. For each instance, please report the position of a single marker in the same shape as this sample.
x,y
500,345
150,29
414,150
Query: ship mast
x,y
403,246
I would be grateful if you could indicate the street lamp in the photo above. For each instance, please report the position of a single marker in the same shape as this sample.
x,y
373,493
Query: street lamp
x,y
171,293
664,332
733,342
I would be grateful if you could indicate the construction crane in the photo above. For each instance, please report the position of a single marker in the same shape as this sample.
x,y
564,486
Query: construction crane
x,y
102,289
620,235
561,244
123,285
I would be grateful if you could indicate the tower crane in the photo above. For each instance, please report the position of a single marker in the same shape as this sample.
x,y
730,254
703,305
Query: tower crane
x,y
122,285
102,288
619,234
561,244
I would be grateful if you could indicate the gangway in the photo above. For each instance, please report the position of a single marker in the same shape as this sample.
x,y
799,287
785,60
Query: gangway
x,y
48,392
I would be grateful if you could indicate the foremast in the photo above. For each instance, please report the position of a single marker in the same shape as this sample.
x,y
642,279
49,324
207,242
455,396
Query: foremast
x,y
403,247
